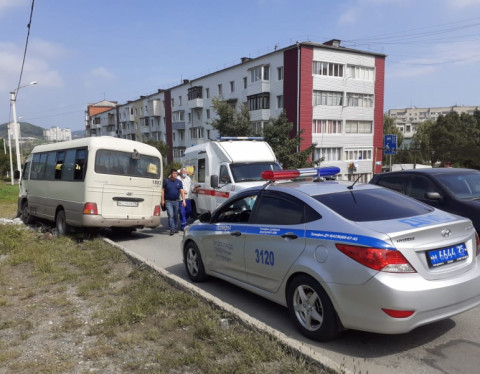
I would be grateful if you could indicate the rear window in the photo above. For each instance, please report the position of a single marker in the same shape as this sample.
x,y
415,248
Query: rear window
x,y
126,163
373,205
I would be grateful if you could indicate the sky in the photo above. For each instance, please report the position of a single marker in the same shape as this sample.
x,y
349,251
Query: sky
x,y
84,51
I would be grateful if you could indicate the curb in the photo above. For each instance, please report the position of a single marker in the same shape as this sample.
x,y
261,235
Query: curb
x,y
244,317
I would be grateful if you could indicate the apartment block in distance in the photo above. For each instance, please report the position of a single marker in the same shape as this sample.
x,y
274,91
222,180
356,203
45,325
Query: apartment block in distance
x,y
332,94
407,120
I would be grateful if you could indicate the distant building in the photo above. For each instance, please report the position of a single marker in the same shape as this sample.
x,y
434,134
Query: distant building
x,y
333,95
407,120
56,134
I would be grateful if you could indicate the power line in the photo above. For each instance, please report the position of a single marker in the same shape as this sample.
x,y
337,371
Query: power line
x,y
25,50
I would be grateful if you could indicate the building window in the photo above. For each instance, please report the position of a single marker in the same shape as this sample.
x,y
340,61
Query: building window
x,y
329,69
328,154
324,126
189,117
195,93
327,98
245,83
260,101
220,91
360,100
179,100
232,86
358,127
358,154
257,127
260,73
207,93
280,73
178,116
196,133
363,73
280,102
208,113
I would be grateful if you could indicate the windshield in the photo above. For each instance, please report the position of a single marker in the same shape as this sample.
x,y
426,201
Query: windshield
x,y
122,163
463,186
373,205
249,172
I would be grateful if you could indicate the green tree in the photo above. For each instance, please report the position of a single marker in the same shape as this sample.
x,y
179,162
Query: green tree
x,y
421,142
229,121
402,156
277,134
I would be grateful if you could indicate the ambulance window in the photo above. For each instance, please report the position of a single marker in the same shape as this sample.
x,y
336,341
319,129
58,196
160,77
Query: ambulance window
x,y
201,170
224,176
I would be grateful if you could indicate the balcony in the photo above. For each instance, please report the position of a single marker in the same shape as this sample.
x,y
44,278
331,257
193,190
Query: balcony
x,y
195,103
155,107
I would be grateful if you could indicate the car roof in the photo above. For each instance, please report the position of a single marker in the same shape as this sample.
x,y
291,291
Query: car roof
x,y
433,171
312,188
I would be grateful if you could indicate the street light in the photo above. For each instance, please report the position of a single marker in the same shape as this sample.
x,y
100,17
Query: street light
x,y
16,127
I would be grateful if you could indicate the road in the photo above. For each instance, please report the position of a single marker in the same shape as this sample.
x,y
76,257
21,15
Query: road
x,y
449,346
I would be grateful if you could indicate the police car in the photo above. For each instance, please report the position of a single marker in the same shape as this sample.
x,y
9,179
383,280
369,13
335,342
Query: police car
x,y
339,254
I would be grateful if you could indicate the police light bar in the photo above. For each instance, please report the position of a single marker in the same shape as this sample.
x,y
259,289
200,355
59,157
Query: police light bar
x,y
240,138
273,175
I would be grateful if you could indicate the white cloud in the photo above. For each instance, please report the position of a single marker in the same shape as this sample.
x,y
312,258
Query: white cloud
x,y
45,49
350,16
6,5
461,4
97,76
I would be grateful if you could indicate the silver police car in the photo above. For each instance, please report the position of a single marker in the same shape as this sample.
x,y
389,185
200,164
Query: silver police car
x,y
339,254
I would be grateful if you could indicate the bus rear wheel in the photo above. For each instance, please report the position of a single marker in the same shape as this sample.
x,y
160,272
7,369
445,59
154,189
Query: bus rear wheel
x,y
61,223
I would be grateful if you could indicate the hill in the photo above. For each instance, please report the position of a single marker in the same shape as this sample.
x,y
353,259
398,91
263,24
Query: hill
x,y
26,130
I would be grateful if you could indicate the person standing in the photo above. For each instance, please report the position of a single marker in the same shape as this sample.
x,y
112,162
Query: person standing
x,y
185,211
172,193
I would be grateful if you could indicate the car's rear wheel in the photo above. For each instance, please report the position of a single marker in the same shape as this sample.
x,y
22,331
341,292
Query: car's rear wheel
x,y
193,262
25,214
61,223
311,309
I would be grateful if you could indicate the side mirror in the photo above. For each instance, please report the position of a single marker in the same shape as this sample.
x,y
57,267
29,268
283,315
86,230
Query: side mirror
x,y
434,196
214,181
16,174
205,217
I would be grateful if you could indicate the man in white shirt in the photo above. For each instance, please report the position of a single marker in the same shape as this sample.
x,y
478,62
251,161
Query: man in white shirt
x,y
185,211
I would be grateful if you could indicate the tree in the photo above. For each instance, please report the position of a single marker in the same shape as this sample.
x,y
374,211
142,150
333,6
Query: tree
x,y
162,147
389,127
229,121
277,134
421,142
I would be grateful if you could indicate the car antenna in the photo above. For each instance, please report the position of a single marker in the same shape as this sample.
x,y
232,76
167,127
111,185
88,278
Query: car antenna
x,y
351,187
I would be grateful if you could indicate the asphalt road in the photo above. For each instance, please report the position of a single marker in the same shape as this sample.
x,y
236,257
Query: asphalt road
x,y
449,346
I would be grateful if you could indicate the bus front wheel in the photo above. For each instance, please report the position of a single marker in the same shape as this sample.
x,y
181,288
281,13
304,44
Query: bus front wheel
x,y
25,214
61,223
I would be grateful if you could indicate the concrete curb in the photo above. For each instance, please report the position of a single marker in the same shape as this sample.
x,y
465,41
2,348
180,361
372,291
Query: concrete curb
x,y
247,319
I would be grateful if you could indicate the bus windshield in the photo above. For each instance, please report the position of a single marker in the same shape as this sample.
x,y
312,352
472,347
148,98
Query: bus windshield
x,y
250,172
127,164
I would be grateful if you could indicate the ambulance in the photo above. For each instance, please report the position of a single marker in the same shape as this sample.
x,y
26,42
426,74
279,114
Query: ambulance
x,y
223,167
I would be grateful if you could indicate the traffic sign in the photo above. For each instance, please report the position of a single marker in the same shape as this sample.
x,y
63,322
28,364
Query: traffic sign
x,y
390,144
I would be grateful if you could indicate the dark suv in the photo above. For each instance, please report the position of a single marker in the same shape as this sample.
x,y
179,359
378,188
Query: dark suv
x,y
453,190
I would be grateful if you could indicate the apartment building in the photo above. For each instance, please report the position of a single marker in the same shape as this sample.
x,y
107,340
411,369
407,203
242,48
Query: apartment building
x,y
407,120
333,94
57,134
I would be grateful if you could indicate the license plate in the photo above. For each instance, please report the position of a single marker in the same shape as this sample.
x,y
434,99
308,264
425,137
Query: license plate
x,y
443,256
127,203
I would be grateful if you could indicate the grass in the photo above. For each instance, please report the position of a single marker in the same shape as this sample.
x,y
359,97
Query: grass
x,y
97,311
8,199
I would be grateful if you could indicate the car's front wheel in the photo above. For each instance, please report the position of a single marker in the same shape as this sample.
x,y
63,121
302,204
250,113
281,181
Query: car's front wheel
x,y
311,309
193,262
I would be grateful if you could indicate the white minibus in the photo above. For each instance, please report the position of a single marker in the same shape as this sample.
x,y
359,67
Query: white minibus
x,y
92,183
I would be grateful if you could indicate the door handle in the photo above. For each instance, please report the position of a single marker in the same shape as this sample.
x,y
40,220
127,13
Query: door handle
x,y
236,233
289,235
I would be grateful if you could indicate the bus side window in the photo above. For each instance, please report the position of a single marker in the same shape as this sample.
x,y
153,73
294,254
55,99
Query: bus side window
x,y
69,165
80,165
26,171
59,165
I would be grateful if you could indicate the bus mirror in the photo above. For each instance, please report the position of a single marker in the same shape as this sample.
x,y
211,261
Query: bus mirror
x,y
16,174
214,181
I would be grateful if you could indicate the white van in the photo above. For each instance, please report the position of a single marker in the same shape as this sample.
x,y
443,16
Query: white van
x,y
222,168
92,182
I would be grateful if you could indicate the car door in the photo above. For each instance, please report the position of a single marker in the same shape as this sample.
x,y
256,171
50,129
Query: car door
x,y
275,239
224,245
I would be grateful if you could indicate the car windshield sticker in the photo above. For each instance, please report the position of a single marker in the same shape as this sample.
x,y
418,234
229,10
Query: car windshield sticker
x,y
427,219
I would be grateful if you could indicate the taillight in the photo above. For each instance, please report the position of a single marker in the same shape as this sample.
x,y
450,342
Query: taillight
x,y
90,209
398,313
477,242
156,211
387,260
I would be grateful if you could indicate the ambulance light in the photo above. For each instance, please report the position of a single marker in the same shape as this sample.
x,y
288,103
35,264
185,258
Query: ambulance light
x,y
328,171
240,138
